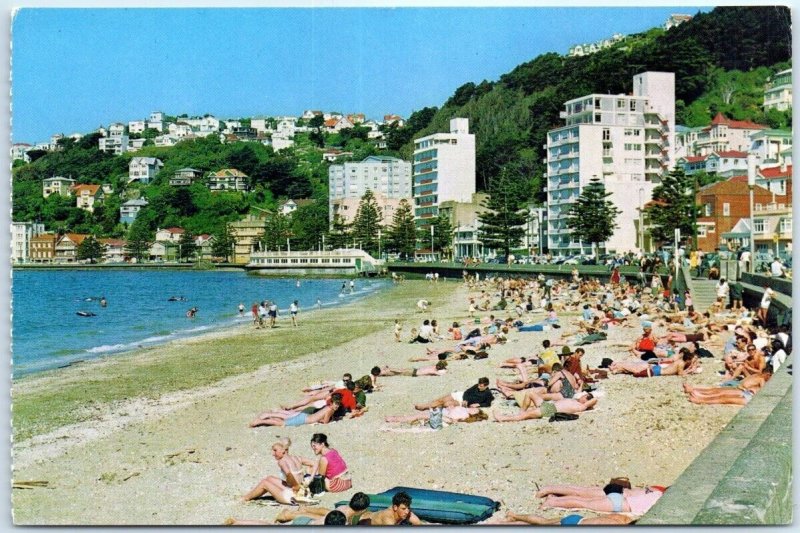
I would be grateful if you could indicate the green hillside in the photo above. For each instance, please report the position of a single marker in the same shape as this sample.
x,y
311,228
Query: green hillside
x,y
721,60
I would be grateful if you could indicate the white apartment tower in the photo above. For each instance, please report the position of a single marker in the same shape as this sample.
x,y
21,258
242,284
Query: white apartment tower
x,y
389,178
626,141
444,169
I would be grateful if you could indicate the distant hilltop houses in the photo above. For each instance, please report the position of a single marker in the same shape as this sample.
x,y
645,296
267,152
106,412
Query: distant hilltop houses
x,y
590,48
275,131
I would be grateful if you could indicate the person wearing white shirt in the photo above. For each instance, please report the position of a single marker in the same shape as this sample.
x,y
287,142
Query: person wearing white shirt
x,y
776,268
763,309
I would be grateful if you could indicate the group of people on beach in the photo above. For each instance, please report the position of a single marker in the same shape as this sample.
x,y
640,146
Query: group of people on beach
x,y
265,313
552,383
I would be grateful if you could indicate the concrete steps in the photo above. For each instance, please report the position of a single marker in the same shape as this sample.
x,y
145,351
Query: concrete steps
x,y
704,293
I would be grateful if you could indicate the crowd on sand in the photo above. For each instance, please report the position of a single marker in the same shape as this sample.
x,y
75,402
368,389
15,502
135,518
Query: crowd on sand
x,y
550,382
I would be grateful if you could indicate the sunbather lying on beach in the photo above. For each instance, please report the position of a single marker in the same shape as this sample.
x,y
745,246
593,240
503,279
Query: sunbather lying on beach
x,y
611,519
643,369
439,369
352,512
476,396
544,409
612,498
739,395
323,416
450,415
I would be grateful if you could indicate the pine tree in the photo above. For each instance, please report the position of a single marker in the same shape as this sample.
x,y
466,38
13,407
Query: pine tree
x,y
140,238
592,217
503,225
403,231
187,248
90,249
277,230
339,234
223,244
367,223
673,207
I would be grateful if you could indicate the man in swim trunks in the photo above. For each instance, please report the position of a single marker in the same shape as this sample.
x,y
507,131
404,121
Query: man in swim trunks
x,y
543,409
727,395
352,511
613,519
399,514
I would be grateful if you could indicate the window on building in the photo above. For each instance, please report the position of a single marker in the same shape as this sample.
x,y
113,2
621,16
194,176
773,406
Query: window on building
x,y
726,209
633,105
786,225
606,134
701,231
598,117
620,104
758,225
706,210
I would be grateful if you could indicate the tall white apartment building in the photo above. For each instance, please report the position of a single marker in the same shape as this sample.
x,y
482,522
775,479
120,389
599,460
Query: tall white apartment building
x,y
444,170
21,233
388,178
626,141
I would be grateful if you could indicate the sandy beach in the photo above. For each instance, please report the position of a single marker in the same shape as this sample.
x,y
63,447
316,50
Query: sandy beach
x,y
186,456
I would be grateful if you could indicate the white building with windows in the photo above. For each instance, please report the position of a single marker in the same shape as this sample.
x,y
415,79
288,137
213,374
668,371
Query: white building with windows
x,y
626,141
388,178
143,169
444,170
21,234
115,144
778,91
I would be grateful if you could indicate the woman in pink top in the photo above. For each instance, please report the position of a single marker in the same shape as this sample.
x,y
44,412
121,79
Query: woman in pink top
x,y
331,465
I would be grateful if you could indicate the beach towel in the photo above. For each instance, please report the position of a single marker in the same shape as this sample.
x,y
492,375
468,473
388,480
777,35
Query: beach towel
x,y
438,506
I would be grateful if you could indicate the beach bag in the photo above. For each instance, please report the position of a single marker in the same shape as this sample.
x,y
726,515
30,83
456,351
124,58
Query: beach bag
x,y
435,421
562,417
317,485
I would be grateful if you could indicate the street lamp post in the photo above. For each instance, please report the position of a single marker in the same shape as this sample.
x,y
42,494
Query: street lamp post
x,y
379,243
641,220
751,182
431,241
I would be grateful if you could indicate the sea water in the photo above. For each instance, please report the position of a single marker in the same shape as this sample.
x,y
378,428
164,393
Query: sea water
x,y
47,333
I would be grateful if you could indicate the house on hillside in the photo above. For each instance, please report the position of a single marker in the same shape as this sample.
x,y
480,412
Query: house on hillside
x,y
777,180
228,179
725,135
130,209
57,185
290,206
692,164
204,243
185,177
66,249
88,196
336,124
116,145
333,154
20,151
727,164
137,126
778,91
172,234
394,119
308,114
143,169
768,145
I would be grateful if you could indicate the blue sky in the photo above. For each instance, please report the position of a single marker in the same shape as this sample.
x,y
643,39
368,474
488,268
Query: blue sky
x,y
74,69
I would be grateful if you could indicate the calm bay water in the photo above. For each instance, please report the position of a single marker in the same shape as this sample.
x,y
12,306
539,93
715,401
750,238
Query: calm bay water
x,y
47,332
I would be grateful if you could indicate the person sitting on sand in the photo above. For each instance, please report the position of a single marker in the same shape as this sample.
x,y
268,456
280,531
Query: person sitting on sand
x,y
330,465
353,511
613,498
284,488
323,416
450,415
754,364
611,519
740,395
399,514
478,395
545,409
439,369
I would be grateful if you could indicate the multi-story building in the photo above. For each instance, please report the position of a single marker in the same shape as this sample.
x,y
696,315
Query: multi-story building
x,y
130,209
137,126
685,139
778,91
185,177
625,141
246,234
777,179
116,144
463,218
228,179
113,250
66,249
143,169
21,235
57,185
724,135
88,196
444,170
727,164
345,209
768,145
20,151
723,203
42,248
388,178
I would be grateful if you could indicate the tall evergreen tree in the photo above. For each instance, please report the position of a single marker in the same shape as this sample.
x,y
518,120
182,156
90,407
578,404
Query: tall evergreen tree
x,y
503,225
90,249
187,248
592,217
673,206
441,238
277,230
403,231
223,244
339,234
140,238
367,223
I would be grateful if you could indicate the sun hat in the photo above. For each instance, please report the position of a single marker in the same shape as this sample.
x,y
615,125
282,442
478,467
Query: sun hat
x,y
566,351
647,324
